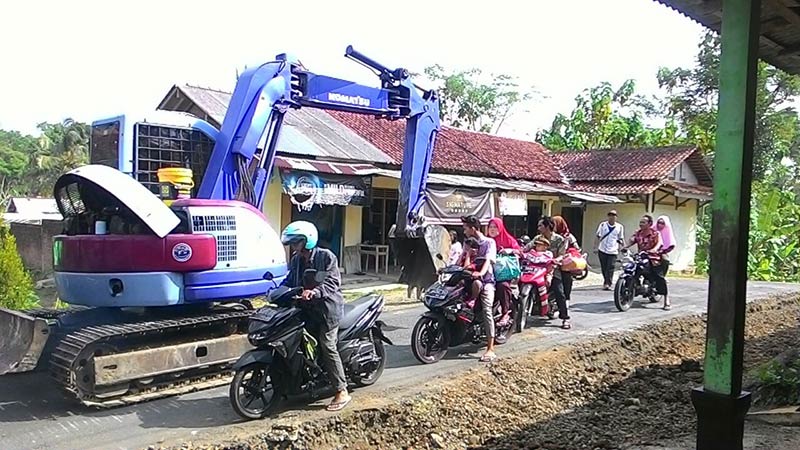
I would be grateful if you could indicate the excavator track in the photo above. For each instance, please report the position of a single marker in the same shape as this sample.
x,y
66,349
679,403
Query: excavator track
x,y
78,354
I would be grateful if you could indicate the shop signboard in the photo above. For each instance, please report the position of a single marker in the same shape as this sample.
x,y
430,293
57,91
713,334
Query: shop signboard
x,y
446,205
306,189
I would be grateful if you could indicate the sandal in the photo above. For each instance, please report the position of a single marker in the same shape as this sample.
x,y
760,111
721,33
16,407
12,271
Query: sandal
x,y
488,358
565,325
667,307
504,320
338,406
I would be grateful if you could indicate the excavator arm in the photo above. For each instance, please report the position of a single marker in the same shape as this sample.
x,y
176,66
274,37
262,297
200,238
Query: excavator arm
x,y
243,156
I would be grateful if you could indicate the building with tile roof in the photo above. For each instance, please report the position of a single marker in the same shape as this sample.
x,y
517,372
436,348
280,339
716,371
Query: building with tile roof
x,y
578,185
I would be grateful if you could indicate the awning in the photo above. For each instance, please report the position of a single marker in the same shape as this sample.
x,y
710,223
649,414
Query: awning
x,y
335,168
507,185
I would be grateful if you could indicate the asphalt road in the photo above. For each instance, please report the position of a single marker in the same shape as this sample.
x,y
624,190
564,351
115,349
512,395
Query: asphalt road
x,y
34,415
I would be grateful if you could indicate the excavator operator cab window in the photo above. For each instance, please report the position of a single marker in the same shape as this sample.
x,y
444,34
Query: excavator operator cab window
x,y
105,144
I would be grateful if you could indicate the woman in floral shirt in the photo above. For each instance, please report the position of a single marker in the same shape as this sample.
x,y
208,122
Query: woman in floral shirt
x,y
648,239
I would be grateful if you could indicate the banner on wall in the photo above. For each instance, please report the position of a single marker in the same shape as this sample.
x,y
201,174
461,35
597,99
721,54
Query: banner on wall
x,y
513,203
446,205
306,189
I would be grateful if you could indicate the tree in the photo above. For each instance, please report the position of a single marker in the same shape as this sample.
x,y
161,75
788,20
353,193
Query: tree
x,y
605,117
16,286
691,101
468,102
15,151
61,147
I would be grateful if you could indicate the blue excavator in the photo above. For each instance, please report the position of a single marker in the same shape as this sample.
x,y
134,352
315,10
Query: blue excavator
x,y
160,292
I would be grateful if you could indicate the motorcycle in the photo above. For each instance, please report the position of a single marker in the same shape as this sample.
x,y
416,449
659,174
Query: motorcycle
x,y
533,298
452,319
634,280
286,358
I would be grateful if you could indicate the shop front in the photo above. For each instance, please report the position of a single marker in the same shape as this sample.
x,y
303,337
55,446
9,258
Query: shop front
x,y
325,199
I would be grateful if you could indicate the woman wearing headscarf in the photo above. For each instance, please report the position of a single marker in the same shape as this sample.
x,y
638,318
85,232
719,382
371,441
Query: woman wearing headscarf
x,y
664,227
506,243
648,239
563,229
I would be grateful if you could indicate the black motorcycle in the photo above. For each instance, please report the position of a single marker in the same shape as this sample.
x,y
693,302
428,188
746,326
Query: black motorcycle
x,y
286,360
450,321
635,280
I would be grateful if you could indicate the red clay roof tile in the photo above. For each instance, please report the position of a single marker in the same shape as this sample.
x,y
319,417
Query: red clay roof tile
x,y
462,151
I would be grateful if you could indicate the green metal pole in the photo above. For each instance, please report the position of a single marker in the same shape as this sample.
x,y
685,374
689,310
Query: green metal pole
x,y
720,404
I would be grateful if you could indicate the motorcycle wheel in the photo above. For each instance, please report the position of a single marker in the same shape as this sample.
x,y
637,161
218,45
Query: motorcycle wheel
x,y
249,384
582,275
521,314
623,295
373,376
433,353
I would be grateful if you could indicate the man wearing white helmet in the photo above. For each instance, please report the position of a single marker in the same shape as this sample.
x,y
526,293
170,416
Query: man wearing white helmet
x,y
326,301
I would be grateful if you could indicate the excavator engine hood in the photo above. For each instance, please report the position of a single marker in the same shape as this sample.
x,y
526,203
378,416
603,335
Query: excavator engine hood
x,y
100,193
421,255
22,340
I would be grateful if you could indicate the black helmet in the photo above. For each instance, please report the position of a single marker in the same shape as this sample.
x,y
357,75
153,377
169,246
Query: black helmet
x,y
524,240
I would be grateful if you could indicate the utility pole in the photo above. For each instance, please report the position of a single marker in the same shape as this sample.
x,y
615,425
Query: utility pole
x,y
720,404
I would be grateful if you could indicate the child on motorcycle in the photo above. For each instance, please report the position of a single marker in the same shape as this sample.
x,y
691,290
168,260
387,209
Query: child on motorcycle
x,y
540,256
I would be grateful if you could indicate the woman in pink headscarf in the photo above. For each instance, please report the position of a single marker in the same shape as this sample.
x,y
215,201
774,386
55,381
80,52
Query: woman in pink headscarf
x,y
664,227
506,243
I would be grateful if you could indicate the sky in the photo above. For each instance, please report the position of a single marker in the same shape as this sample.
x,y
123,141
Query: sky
x,y
92,59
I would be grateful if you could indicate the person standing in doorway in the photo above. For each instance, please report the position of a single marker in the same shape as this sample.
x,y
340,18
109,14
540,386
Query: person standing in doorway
x,y
610,235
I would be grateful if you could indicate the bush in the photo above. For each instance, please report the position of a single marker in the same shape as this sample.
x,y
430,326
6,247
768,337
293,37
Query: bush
x,y
16,286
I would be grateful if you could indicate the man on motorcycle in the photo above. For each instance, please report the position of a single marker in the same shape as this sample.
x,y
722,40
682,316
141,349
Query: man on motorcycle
x,y
325,299
487,251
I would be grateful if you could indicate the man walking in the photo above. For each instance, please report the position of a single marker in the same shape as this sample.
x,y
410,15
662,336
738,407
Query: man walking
x,y
610,235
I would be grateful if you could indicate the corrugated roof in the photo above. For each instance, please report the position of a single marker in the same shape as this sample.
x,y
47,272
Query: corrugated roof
x,y
507,185
305,131
311,165
617,187
780,27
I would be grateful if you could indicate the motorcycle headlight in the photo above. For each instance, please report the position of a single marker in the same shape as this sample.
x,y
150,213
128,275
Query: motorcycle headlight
x,y
256,339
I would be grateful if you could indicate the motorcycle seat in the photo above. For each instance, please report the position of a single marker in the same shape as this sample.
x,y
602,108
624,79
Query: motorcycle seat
x,y
356,309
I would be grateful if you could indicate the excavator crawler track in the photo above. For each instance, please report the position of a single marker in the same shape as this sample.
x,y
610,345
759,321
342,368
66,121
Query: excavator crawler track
x,y
72,361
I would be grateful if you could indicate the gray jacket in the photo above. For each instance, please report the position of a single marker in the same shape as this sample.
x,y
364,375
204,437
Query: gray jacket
x,y
327,301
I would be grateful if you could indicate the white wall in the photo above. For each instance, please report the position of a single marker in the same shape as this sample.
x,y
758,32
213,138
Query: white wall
x,y
684,225
684,174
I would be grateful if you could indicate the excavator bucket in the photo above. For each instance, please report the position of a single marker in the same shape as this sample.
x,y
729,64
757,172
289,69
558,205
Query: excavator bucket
x,y
421,257
22,340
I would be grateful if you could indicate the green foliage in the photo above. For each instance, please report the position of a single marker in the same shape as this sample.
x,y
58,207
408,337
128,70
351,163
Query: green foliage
x,y
605,117
14,158
16,286
779,383
691,101
609,118
29,166
468,102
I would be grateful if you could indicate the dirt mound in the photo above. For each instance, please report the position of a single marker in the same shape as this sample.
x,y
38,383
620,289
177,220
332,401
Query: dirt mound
x,y
609,392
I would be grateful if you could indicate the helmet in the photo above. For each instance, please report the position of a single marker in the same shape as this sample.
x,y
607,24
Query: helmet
x,y
298,230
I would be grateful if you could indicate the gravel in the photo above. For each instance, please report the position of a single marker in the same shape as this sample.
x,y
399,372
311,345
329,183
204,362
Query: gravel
x,y
628,390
